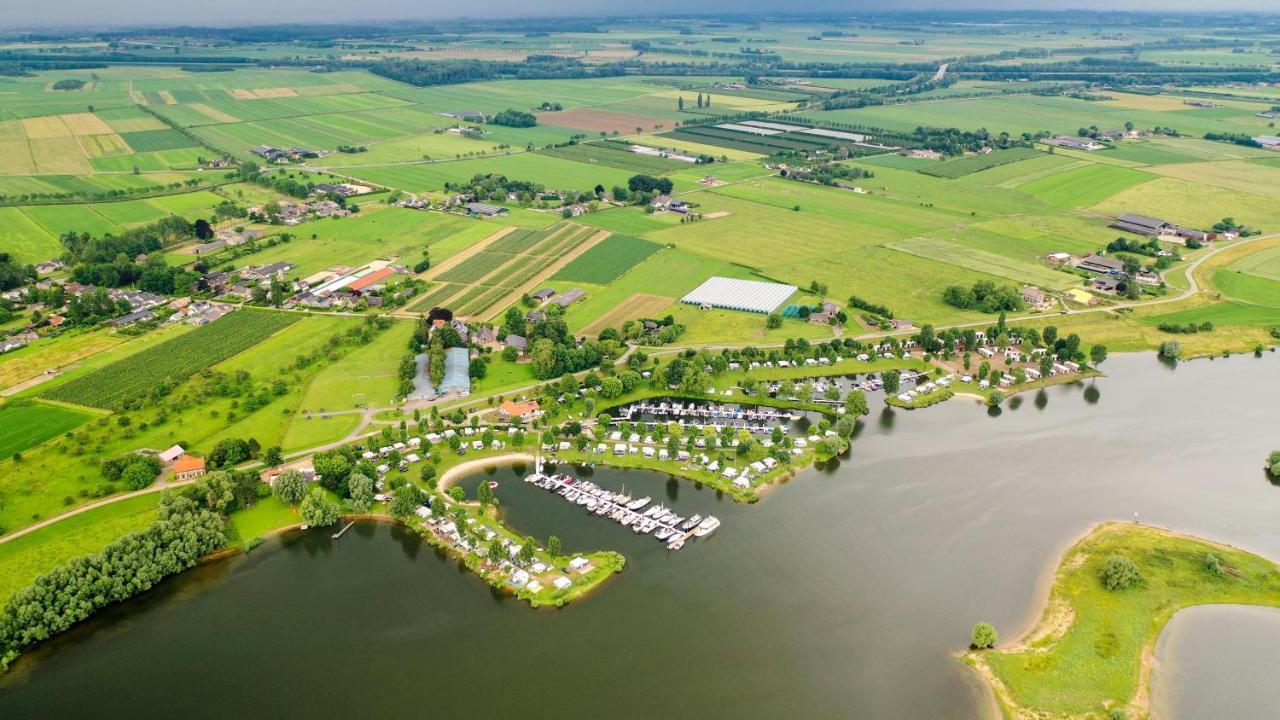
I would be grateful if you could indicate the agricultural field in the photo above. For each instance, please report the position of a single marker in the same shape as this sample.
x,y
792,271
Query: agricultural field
x,y
978,163
615,155
174,360
1084,186
507,267
25,426
607,260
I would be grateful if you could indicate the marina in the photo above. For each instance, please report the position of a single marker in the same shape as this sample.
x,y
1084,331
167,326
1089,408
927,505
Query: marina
x,y
641,515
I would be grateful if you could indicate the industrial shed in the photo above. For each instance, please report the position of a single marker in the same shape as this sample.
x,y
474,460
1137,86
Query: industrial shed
x,y
746,295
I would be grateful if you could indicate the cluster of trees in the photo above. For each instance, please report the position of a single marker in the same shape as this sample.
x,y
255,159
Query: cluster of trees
x,y
135,470
701,102
649,185
984,296
874,308
1234,138
495,186
352,149
1188,329
826,173
1148,248
14,274
68,84
515,118
183,534
553,351
109,260
451,72
1273,464
283,183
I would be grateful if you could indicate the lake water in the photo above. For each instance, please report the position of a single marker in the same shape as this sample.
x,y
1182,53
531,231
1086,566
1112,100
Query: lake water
x,y
1217,662
843,593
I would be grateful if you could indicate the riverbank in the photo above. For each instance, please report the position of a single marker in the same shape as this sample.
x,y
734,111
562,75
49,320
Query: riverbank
x,y
1092,649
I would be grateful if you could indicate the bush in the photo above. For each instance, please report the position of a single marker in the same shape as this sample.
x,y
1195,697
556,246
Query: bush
x,y
983,636
1213,564
1170,350
1119,573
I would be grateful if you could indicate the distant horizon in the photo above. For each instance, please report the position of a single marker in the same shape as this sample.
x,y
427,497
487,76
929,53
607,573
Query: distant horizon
x,y
150,14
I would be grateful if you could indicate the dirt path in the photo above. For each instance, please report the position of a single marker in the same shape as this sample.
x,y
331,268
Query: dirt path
x,y
158,487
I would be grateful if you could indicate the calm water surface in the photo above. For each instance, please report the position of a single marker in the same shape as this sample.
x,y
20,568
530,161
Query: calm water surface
x,y
1218,662
843,593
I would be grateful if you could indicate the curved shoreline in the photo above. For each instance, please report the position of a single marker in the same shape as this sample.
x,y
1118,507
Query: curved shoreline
x,y
448,477
1043,624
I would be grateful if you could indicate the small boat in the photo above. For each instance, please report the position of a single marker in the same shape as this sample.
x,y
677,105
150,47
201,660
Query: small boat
x,y
664,533
493,484
637,504
707,526
691,523
677,543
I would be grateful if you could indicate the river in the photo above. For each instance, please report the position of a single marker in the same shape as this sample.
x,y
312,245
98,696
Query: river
x,y
843,593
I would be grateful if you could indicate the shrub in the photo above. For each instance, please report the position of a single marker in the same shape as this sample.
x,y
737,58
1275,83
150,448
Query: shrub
x,y
1213,564
1119,573
983,636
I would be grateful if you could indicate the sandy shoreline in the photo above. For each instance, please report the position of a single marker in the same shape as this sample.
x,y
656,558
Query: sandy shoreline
x,y
457,471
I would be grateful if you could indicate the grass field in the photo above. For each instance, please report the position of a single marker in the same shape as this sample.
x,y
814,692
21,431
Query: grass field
x,y
615,155
978,163
1086,652
25,426
1084,186
24,559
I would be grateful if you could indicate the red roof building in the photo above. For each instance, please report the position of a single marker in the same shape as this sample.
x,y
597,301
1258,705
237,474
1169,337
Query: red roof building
x,y
370,279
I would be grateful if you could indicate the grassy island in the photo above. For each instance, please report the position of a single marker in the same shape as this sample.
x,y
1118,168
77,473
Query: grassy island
x,y
1091,652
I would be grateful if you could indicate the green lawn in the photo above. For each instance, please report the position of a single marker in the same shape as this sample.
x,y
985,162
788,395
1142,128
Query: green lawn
x,y
1084,186
1093,662
25,426
24,559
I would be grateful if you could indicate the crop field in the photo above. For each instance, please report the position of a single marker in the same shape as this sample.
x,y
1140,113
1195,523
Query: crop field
x,y
982,261
25,426
978,163
1032,113
1084,186
1248,287
616,155
173,360
1193,204
607,260
606,121
509,263
1255,178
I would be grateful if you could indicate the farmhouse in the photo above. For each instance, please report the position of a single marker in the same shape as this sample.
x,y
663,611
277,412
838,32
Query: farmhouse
x,y
518,342
1034,297
734,294
921,154
826,315
544,294
1144,225
188,468
477,209
1075,143
1108,285
1268,142
519,412
569,297
173,453
266,272
1101,264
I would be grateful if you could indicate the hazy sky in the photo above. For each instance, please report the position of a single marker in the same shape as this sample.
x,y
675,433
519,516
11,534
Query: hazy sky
x,y
104,13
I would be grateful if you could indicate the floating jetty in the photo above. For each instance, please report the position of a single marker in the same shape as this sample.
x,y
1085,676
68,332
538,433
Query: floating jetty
x,y
639,514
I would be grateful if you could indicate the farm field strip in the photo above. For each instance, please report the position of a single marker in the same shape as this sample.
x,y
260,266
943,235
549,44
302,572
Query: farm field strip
x,y
608,260
528,281
173,360
25,426
978,163
638,305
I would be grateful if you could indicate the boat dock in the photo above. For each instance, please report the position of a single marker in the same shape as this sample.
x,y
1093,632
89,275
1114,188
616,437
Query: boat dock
x,y
344,529
638,514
